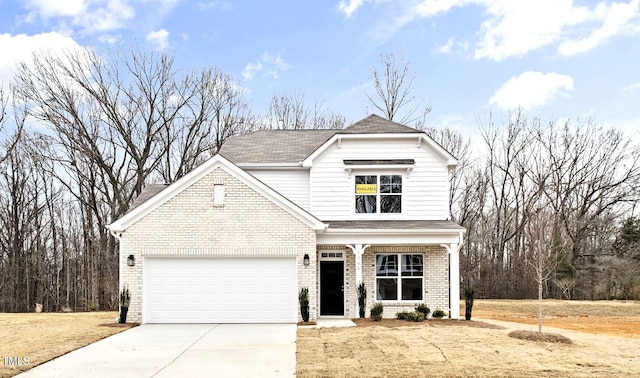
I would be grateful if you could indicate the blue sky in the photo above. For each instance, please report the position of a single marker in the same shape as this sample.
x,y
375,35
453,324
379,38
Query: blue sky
x,y
552,58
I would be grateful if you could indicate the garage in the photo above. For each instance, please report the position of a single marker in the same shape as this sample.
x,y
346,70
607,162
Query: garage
x,y
220,290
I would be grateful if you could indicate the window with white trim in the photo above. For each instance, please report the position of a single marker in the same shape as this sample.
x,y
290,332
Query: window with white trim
x,y
399,276
378,193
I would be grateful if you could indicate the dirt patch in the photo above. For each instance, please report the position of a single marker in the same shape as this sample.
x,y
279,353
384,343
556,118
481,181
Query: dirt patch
x,y
616,318
540,337
33,338
394,323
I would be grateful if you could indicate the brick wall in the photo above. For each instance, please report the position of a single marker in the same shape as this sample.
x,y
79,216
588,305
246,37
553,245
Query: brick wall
x,y
248,224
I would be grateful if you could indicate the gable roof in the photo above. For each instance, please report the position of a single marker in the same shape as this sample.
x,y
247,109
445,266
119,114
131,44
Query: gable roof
x,y
374,124
162,195
274,146
293,147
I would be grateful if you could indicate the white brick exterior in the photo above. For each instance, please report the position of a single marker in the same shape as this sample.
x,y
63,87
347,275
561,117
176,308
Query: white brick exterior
x,y
436,278
248,224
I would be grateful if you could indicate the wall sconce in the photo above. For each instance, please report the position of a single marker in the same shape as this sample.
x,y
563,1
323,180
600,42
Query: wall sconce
x,y
305,259
131,260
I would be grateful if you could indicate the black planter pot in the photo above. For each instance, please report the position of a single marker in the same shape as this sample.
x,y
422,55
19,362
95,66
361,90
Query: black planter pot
x,y
123,315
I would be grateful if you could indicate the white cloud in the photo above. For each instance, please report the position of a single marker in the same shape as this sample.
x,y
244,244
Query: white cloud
x,y
109,39
222,5
518,27
159,38
446,48
48,8
531,89
452,46
106,18
617,18
348,8
23,46
632,88
272,64
250,69
430,8
90,15
511,28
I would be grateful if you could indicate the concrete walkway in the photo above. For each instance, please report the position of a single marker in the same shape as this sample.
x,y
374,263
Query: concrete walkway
x,y
182,350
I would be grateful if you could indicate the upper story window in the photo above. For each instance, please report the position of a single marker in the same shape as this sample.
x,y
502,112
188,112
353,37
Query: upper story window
x,y
378,193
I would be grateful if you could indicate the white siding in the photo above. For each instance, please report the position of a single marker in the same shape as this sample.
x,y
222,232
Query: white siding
x,y
425,188
291,183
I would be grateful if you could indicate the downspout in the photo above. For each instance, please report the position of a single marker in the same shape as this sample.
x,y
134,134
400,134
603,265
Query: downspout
x,y
118,236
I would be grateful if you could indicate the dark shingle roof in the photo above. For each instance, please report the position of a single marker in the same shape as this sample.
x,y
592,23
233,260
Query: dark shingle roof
x,y
396,224
274,146
146,194
293,146
375,124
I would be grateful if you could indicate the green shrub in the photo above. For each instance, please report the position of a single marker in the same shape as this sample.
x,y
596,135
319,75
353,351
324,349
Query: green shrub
x,y
94,306
402,315
303,298
438,314
415,316
376,311
422,308
362,299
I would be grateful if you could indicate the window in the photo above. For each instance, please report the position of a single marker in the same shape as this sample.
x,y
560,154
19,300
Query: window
x,y
374,198
399,276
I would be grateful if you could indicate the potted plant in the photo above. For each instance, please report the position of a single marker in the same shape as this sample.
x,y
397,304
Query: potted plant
x,y
125,300
362,299
303,298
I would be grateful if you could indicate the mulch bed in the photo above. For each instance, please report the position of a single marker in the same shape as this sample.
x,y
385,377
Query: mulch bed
x,y
120,325
542,337
392,323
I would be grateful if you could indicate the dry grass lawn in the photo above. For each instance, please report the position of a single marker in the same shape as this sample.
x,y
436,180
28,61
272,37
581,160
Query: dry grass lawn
x,y
41,337
460,349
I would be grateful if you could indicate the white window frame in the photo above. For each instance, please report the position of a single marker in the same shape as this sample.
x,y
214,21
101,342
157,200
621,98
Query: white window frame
x,y
399,278
378,194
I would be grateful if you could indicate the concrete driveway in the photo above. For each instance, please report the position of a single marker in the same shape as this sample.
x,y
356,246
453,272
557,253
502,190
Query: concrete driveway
x,y
183,350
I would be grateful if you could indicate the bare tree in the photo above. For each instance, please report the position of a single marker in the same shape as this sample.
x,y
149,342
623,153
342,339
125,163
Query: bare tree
x,y
393,86
595,173
214,109
292,112
12,119
114,122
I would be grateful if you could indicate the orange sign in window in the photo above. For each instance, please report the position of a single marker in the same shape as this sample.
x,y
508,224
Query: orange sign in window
x,y
366,188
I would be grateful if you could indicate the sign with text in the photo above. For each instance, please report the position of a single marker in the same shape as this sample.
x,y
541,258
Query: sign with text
x,y
366,188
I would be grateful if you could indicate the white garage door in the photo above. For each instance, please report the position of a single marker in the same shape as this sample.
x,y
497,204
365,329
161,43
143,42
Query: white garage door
x,y
220,290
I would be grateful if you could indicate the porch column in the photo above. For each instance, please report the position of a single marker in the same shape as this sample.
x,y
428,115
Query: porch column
x,y
358,251
454,280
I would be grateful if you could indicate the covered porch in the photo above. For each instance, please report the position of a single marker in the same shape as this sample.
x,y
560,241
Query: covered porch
x,y
401,263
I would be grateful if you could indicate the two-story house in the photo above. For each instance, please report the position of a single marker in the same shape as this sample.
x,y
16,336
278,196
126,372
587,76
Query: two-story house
x,y
275,211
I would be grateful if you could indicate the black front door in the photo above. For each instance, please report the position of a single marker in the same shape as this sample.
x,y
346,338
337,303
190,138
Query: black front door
x,y
331,287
